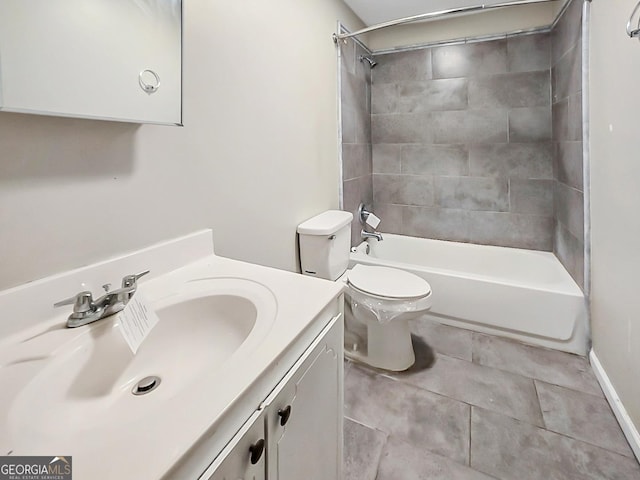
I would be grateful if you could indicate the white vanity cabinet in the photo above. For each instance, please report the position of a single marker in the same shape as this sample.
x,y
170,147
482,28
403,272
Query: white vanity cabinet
x,y
300,422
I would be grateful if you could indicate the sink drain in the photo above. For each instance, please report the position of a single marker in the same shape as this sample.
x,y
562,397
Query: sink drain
x,y
146,385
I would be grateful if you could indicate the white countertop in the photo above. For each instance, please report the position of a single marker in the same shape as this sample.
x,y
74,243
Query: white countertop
x,y
148,445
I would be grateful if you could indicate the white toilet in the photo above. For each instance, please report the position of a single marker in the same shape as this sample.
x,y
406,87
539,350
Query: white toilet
x,y
379,301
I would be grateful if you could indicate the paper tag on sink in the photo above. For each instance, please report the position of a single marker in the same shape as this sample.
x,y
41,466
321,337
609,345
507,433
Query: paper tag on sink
x,y
136,321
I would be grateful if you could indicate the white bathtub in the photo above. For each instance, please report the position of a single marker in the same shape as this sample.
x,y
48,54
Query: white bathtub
x,y
515,293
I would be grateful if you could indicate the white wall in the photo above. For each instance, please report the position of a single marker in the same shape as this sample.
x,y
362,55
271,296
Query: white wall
x,y
615,198
491,22
257,155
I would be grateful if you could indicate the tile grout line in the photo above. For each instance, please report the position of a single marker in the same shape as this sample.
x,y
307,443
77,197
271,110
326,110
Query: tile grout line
x,y
535,387
384,446
568,388
600,447
470,414
365,425
470,466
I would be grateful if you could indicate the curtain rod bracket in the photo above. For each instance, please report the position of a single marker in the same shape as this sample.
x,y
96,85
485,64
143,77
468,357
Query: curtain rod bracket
x,y
337,37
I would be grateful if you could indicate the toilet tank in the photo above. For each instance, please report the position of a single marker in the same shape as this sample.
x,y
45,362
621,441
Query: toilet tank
x,y
324,242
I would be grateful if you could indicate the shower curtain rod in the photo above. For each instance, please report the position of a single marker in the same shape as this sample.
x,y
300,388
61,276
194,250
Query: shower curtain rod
x,y
426,16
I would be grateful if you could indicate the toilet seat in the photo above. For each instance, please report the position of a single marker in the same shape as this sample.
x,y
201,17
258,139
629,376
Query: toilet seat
x,y
387,283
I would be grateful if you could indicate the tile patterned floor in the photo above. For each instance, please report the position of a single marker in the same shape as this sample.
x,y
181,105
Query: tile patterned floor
x,y
477,407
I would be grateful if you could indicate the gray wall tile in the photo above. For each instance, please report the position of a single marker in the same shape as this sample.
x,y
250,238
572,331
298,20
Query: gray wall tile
x,y
391,217
528,53
435,160
362,69
386,158
470,59
567,133
568,31
348,123
529,89
354,92
567,74
401,128
531,124
513,160
472,193
356,131
356,160
574,126
356,191
458,123
511,230
531,196
570,252
384,98
362,125
414,97
402,67
569,164
403,189
560,119
469,126
569,208
348,56
444,94
438,223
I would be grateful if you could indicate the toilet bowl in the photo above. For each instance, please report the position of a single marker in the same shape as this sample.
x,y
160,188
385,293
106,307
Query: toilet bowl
x,y
379,301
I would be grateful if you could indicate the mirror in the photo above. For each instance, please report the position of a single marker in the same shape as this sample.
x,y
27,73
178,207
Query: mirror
x,y
102,59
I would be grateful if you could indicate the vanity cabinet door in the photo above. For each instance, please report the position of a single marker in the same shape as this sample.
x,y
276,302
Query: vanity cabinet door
x,y
304,414
244,458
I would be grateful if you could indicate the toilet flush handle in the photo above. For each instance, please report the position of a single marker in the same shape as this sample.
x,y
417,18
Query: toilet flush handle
x,y
332,237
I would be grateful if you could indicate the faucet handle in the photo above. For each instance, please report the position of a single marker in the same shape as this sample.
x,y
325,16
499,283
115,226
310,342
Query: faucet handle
x,y
131,280
82,302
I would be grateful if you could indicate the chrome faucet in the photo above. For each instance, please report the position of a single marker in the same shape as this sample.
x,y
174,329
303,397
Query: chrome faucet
x,y
86,310
377,235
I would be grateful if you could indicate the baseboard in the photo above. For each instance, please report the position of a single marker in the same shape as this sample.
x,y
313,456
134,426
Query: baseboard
x,y
628,428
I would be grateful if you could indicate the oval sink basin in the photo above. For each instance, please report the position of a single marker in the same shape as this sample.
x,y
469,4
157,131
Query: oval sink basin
x,y
203,326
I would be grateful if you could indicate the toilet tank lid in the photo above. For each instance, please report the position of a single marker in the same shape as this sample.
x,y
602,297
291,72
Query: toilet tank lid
x,y
327,223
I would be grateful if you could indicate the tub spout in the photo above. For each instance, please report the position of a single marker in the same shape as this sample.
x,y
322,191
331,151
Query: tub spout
x,y
377,235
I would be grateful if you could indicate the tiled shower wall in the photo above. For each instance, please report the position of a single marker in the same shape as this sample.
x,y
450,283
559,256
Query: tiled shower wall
x,y
566,75
355,84
462,142
477,142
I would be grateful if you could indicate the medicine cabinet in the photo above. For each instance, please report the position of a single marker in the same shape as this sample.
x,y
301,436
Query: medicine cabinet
x,y
102,59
